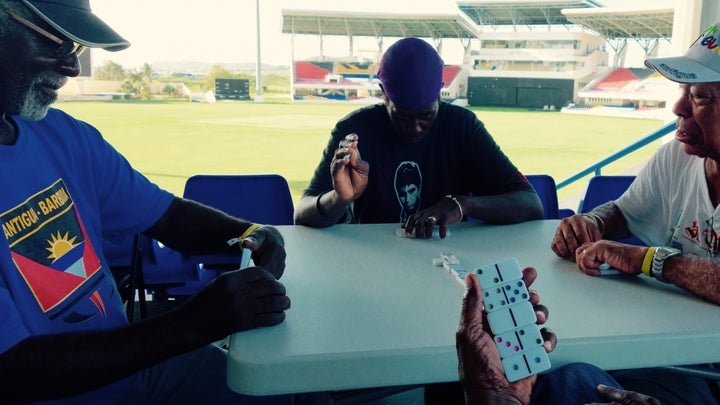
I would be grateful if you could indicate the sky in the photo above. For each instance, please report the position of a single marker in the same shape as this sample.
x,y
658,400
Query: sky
x,y
224,31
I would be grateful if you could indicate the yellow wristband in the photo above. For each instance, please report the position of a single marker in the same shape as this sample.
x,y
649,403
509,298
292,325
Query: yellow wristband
x,y
248,230
647,261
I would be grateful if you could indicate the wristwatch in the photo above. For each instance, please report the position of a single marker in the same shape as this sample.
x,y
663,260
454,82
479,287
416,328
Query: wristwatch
x,y
658,261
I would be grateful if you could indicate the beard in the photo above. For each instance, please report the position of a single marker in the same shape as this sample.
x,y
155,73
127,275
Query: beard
x,y
30,96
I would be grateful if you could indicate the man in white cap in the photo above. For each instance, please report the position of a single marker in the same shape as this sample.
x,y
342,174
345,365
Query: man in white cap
x,y
64,336
672,206
458,169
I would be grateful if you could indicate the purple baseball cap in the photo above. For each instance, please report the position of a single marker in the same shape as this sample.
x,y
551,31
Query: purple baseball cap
x,y
75,19
411,73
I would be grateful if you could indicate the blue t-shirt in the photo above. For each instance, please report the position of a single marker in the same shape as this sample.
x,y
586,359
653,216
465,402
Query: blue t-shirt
x,y
65,189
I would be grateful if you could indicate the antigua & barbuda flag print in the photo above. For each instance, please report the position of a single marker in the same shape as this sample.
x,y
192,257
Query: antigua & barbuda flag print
x,y
51,251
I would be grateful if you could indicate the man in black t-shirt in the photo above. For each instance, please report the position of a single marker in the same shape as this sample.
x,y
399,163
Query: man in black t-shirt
x,y
463,172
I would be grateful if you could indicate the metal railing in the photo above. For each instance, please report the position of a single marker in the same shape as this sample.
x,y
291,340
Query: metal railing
x,y
596,168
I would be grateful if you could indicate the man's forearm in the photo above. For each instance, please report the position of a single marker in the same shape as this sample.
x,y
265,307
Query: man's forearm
x,y
697,275
510,208
320,211
193,228
614,226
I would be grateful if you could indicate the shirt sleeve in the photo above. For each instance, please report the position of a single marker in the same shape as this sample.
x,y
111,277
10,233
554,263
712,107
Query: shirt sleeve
x,y
128,202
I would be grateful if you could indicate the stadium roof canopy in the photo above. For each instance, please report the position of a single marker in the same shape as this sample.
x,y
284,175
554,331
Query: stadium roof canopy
x,y
467,20
521,12
617,23
379,25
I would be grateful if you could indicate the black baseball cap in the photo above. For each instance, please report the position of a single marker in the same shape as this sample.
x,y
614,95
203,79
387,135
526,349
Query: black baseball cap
x,y
75,19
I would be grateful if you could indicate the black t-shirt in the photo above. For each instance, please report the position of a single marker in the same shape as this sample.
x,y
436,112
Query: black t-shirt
x,y
457,157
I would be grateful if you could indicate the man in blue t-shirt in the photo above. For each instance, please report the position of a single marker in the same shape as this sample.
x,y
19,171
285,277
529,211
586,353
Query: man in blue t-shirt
x,y
414,159
64,336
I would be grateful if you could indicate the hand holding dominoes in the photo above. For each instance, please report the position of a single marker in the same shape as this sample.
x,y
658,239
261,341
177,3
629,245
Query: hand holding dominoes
x,y
509,314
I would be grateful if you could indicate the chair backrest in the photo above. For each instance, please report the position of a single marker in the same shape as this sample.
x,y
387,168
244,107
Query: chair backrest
x,y
602,189
547,191
261,198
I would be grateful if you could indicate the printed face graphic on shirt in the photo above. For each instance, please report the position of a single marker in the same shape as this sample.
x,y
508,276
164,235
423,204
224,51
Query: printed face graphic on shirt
x,y
408,185
51,251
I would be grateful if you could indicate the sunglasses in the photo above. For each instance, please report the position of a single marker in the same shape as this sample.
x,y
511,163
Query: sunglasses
x,y
66,48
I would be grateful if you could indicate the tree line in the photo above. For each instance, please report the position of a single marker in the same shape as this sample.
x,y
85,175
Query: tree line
x,y
137,83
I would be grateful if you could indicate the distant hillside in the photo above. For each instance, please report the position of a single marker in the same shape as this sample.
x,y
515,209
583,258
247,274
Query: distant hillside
x,y
201,68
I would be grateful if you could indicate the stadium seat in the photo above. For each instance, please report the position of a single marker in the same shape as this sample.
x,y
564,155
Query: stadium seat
x,y
602,189
545,187
547,190
565,212
260,198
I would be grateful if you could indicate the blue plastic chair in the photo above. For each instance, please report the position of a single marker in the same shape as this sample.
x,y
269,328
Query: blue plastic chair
x,y
125,261
546,188
602,189
260,198
565,212
547,191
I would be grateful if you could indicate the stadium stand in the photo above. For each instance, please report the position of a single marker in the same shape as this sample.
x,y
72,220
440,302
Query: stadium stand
x,y
630,92
309,71
450,73
616,80
354,81
532,54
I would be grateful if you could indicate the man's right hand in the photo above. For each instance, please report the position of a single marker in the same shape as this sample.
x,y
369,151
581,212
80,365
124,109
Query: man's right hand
x,y
571,233
236,301
479,365
349,172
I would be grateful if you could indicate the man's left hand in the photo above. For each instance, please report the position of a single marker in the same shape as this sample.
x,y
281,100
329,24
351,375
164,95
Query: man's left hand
x,y
268,249
442,214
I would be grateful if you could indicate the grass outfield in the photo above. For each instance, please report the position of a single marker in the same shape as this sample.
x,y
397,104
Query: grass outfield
x,y
169,141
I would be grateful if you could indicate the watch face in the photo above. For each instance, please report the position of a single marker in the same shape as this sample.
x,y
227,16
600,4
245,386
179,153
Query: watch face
x,y
663,253
658,261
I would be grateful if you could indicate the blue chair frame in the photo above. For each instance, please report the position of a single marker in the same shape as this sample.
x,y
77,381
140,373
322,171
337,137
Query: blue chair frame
x,y
604,188
546,188
260,198
547,191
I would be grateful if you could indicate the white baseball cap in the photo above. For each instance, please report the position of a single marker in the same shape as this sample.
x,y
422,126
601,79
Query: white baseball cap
x,y
700,64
